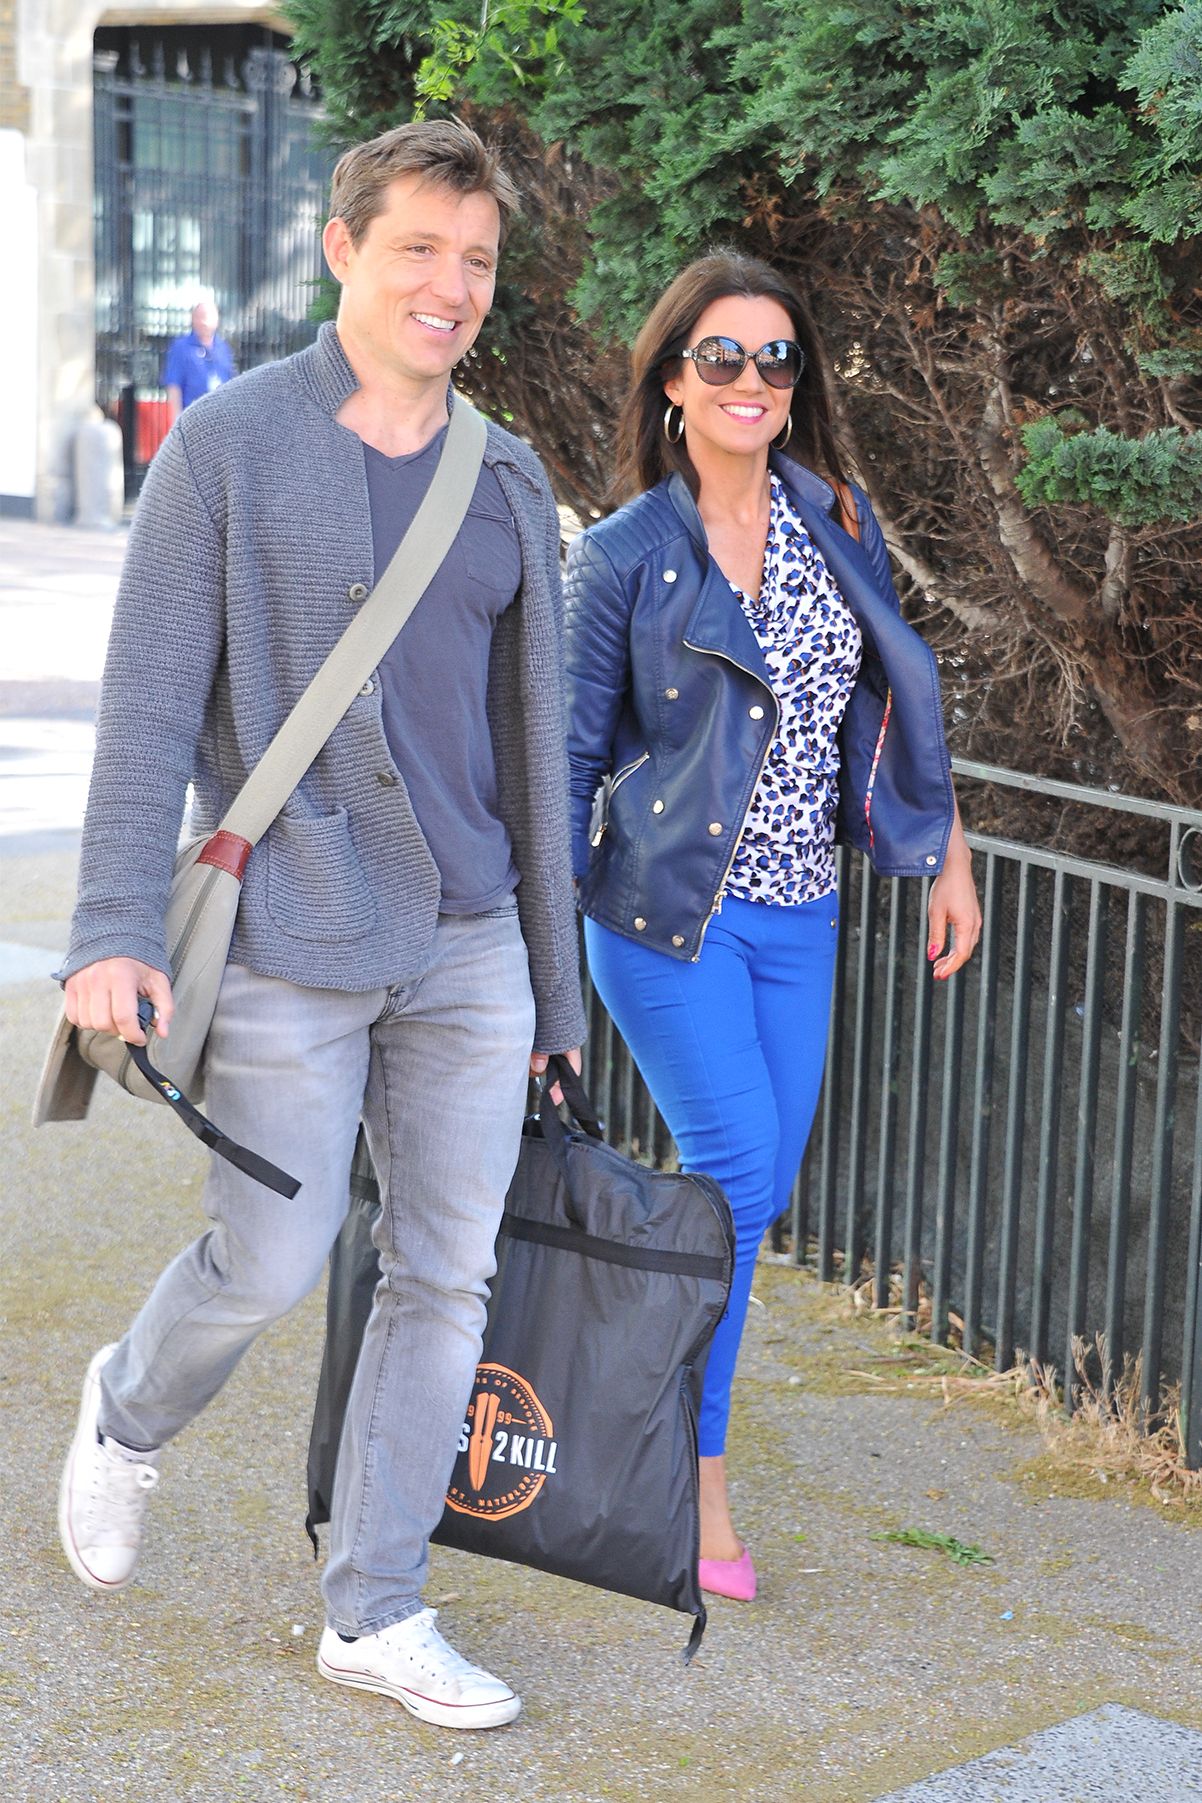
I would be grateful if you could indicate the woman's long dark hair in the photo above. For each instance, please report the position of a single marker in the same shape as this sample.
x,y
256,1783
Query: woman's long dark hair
x,y
644,455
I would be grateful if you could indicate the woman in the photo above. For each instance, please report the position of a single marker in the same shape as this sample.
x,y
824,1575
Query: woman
x,y
741,686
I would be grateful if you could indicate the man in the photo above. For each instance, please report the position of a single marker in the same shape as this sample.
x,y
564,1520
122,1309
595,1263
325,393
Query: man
x,y
406,933
197,362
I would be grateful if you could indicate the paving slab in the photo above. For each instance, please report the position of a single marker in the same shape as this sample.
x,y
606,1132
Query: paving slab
x,y
1112,1755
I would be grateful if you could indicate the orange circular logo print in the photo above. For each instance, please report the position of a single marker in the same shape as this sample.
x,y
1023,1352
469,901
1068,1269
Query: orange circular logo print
x,y
507,1449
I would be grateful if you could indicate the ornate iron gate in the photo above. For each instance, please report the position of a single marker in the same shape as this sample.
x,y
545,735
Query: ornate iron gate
x,y
208,181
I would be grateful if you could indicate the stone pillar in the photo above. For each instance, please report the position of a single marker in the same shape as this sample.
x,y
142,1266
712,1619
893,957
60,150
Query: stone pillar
x,y
19,334
55,59
18,300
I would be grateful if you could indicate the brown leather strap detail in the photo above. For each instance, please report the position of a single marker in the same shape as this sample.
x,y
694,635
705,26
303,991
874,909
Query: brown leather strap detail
x,y
228,852
849,518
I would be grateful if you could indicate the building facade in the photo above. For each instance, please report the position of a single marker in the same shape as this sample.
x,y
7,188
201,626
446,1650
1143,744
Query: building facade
x,y
144,149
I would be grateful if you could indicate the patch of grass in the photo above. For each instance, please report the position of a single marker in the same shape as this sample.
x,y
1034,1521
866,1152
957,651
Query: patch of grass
x,y
1134,1632
957,1551
1110,1444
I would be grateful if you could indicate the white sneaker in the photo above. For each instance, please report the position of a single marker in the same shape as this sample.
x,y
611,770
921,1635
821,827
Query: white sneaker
x,y
412,1663
102,1498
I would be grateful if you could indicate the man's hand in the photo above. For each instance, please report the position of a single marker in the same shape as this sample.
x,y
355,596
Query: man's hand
x,y
105,995
538,1068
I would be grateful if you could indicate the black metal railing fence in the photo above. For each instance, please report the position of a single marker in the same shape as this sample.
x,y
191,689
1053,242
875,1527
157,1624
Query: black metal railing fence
x,y
1015,1156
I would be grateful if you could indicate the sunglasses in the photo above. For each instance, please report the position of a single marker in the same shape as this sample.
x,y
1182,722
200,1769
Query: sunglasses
x,y
722,360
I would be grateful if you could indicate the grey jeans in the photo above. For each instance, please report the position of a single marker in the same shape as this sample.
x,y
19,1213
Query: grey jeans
x,y
437,1067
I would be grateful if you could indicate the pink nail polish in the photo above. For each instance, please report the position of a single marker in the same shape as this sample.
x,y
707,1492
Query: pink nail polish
x,y
932,951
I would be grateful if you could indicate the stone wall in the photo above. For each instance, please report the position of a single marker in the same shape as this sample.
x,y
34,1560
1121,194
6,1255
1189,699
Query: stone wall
x,y
14,100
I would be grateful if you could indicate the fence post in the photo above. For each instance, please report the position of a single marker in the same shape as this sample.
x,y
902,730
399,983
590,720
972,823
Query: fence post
x,y
1191,1352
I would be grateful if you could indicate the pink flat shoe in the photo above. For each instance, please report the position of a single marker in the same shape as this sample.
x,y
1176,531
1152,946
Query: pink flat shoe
x,y
729,1577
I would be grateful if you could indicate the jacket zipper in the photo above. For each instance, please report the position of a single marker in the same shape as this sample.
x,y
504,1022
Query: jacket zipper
x,y
720,894
616,784
876,758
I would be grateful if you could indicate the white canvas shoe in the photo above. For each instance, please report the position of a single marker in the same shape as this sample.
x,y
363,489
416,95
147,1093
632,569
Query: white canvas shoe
x,y
102,1498
412,1663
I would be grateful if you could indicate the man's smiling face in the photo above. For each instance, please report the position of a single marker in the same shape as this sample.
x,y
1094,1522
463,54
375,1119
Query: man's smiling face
x,y
417,287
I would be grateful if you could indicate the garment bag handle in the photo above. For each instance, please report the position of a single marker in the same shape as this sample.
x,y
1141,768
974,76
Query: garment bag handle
x,y
579,1107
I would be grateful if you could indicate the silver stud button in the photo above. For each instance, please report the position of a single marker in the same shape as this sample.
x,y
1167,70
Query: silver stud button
x,y
357,591
678,939
669,575
932,859
368,688
657,807
715,827
640,925
756,713
671,694
386,779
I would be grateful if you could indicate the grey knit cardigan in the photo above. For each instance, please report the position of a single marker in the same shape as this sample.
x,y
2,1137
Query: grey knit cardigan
x,y
249,553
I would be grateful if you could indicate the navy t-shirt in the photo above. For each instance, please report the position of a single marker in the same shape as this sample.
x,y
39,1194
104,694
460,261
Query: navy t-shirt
x,y
434,676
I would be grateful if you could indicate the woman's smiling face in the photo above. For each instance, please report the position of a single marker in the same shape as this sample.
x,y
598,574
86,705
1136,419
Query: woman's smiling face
x,y
746,415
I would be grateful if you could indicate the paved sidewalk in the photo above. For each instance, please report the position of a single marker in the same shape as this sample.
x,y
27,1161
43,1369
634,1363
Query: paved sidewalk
x,y
56,600
864,1668
1068,1668
1107,1756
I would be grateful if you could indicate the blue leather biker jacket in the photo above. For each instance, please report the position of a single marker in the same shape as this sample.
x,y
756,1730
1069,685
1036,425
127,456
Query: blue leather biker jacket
x,y
671,714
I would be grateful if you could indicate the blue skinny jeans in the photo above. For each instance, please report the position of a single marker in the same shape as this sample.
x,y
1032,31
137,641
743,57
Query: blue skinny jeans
x,y
732,1050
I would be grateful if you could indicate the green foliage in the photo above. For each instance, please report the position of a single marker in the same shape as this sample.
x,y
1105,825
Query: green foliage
x,y
1063,120
381,62
1165,70
970,278
958,1551
1181,357
1136,481
653,94
515,40
1071,130
365,53
980,196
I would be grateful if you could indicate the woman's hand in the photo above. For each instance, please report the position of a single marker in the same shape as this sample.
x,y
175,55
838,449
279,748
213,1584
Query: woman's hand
x,y
953,905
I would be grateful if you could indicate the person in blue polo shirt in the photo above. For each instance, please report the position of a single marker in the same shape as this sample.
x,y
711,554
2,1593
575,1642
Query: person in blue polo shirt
x,y
197,362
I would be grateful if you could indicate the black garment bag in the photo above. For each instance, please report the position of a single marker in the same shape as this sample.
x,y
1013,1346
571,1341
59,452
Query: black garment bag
x,y
578,1454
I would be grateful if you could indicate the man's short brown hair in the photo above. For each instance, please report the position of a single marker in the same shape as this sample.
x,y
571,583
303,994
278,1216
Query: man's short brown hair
x,y
444,151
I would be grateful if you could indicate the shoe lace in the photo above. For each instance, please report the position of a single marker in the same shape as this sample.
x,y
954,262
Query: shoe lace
x,y
438,1655
119,1493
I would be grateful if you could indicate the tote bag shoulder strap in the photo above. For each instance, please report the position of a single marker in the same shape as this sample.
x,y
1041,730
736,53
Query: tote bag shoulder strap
x,y
418,558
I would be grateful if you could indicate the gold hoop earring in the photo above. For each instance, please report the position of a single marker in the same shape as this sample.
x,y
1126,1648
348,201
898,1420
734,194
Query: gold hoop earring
x,y
778,444
673,437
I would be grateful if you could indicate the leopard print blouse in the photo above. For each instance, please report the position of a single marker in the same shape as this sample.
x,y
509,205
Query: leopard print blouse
x,y
811,645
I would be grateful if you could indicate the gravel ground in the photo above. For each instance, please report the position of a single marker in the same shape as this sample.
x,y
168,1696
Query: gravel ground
x,y
864,1667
